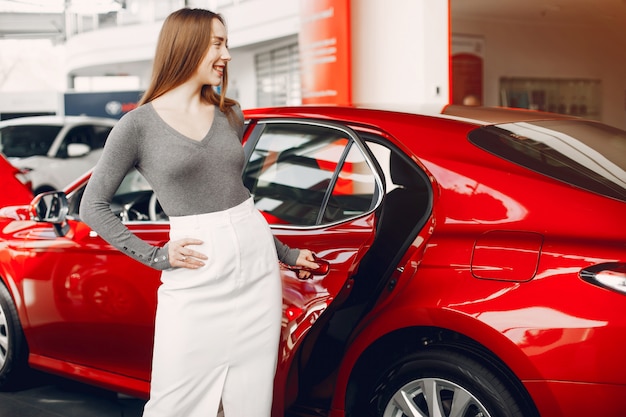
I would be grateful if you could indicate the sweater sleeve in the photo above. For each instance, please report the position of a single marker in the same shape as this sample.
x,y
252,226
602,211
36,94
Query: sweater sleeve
x,y
118,158
285,253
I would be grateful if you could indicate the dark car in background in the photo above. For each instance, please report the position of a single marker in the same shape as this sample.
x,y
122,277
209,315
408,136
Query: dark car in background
x,y
477,267
55,150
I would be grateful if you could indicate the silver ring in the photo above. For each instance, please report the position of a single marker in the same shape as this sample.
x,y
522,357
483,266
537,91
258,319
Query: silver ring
x,y
184,259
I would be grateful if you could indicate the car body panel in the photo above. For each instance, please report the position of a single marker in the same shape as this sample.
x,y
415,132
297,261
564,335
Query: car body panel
x,y
14,191
549,333
490,267
79,284
103,295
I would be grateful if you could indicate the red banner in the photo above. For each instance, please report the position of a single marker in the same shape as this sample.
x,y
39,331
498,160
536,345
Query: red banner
x,y
325,61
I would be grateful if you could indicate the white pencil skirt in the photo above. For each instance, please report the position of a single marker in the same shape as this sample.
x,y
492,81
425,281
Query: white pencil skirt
x,y
217,327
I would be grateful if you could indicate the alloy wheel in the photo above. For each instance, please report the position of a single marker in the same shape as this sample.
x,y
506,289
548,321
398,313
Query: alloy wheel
x,y
4,337
434,397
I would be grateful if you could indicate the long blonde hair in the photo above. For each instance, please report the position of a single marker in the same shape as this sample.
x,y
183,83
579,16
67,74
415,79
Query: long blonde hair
x,y
183,42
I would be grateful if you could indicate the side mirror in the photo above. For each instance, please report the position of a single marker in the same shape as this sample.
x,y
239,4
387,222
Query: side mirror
x,y
51,207
77,149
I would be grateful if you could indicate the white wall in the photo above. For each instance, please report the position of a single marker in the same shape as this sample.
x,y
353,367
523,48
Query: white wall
x,y
256,26
400,53
31,102
522,50
241,79
255,21
124,44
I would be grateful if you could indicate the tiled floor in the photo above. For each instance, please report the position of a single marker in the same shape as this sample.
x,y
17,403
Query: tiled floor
x,y
55,397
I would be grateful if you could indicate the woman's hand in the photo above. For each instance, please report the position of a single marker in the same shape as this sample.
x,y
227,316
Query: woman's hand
x,y
181,256
305,259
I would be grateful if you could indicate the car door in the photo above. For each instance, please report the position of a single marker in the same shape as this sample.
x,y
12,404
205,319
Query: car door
x,y
319,188
88,303
93,306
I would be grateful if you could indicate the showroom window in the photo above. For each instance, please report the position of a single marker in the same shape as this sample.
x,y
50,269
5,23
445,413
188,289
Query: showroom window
x,y
278,77
306,175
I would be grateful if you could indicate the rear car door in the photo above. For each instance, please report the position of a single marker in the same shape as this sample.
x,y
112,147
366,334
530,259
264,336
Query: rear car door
x,y
318,188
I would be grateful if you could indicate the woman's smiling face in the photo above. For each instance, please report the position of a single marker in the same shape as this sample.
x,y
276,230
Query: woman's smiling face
x,y
212,67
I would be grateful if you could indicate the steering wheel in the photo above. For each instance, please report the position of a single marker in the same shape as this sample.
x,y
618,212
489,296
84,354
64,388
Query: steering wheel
x,y
155,211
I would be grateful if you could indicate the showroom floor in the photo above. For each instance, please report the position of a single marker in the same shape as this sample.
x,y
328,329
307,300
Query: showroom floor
x,y
55,397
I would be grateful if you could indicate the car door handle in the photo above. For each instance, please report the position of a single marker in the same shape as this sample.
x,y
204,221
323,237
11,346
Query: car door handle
x,y
322,269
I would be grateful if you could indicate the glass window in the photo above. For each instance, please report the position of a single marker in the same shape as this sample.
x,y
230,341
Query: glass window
x,y
578,97
585,154
93,136
134,201
354,190
100,134
79,134
278,77
296,172
28,140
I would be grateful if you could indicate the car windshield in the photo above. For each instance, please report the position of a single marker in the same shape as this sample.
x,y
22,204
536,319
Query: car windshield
x,y
582,153
27,140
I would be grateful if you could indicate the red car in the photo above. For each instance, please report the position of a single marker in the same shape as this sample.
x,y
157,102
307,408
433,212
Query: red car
x,y
16,184
477,267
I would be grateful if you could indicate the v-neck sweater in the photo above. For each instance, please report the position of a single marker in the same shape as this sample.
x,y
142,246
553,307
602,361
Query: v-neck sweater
x,y
189,177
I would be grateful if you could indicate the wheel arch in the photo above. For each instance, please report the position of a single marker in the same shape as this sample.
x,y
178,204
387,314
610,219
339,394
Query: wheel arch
x,y
6,279
13,372
16,294
391,347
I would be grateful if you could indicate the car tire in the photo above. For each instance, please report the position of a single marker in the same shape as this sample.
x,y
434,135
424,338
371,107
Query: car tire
x,y
13,350
420,382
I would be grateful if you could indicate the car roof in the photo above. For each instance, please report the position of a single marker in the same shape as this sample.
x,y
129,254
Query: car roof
x,y
56,120
495,115
477,116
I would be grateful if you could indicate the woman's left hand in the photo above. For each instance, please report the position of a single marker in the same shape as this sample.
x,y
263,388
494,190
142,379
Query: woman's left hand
x,y
306,260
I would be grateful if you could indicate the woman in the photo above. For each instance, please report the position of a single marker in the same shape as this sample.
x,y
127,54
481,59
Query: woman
x,y
219,304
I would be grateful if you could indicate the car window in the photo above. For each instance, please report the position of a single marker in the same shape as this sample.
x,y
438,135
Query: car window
x,y
301,174
584,154
354,191
100,134
133,201
27,140
78,134
91,135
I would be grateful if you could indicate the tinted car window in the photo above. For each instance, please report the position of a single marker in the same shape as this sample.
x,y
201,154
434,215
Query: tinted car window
x,y
93,136
297,172
585,154
354,190
79,134
100,134
25,141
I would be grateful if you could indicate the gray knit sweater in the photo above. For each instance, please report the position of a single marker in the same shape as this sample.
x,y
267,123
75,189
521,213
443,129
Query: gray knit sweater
x,y
188,176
